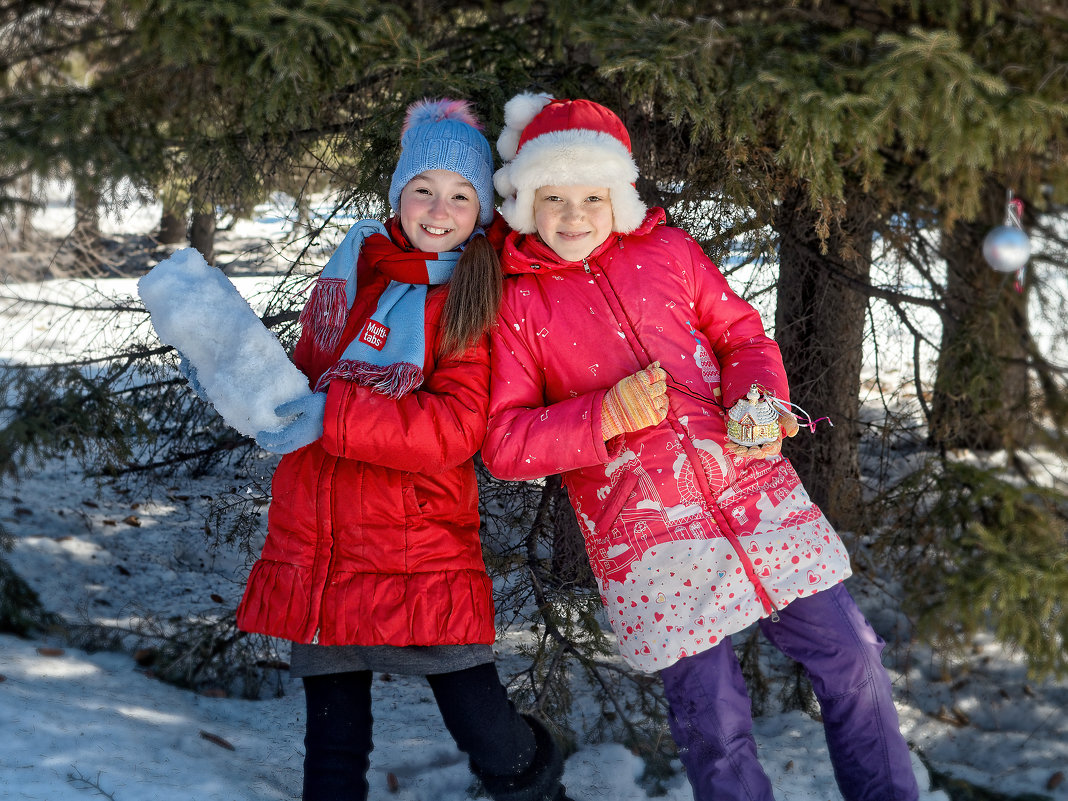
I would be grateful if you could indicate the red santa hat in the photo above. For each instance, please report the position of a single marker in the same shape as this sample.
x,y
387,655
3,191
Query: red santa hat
x,y
550,142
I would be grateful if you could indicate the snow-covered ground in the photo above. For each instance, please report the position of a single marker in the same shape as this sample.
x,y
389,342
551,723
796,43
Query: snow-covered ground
x,y
108,555
81,724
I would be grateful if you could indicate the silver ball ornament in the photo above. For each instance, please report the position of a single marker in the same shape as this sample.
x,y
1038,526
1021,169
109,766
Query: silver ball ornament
x,y
1007,248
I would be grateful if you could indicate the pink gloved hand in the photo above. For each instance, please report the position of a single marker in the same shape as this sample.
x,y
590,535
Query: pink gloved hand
x,y
636,402
788,427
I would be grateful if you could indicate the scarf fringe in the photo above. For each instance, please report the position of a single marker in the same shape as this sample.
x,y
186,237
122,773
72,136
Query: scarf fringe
x,y
325,313
392,380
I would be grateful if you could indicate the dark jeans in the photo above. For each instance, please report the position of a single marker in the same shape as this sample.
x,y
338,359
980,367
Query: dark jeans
x,y
473,704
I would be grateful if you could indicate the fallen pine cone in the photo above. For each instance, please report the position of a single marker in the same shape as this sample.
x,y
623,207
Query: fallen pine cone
x,y
392,782
1055,780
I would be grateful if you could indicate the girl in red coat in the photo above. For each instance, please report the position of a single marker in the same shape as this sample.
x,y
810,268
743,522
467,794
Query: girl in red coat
x,y
372,560
619,348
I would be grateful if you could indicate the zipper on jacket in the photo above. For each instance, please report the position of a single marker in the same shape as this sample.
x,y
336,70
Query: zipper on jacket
x,y
762,593
332,470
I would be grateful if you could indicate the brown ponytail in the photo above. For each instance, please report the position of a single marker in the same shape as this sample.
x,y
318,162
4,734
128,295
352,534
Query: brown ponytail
x,y
474,297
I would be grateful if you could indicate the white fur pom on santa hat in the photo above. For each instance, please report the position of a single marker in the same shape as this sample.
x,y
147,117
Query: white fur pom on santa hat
x,y
549,142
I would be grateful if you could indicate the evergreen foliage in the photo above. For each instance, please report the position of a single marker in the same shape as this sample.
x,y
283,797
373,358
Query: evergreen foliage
x,y
978,552
61,410
21,611
858,145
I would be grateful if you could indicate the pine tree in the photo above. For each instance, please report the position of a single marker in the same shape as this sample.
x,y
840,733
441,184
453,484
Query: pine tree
x,y
808,132
871,111
982,397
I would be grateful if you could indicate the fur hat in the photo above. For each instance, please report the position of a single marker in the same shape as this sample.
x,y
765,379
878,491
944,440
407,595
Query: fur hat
x,y
549,142
445,135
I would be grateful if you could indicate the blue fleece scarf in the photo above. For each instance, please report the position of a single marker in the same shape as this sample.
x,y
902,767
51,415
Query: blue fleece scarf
x,y
387,354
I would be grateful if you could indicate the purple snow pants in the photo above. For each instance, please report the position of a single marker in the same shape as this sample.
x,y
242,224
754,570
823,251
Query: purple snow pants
x,y
711,719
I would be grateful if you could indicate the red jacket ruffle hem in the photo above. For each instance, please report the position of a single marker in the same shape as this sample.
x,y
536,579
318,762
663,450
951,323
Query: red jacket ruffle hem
x,y
373,530
689,542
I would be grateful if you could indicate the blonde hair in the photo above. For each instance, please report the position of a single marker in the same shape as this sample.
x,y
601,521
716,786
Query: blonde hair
x,y
474,298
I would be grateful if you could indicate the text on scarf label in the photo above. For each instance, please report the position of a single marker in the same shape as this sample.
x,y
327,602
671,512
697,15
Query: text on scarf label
x,y
374,334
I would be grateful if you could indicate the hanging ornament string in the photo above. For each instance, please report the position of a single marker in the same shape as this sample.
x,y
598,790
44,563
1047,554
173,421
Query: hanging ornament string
x,y
780,406
675,385
1007,247
1014,211
1013,218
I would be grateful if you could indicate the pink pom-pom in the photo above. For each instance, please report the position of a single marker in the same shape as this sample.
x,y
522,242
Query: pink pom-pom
x,y
424,112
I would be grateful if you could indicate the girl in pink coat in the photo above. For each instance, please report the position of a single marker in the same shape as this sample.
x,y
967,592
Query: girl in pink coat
x,y
618,351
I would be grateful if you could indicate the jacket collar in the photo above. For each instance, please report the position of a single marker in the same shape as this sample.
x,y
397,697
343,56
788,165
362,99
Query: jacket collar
x,y
526,253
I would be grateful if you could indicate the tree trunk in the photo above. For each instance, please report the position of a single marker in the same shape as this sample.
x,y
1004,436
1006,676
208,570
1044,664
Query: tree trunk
x,y
172,224
202,235
819,325
86,215
981,390
23,212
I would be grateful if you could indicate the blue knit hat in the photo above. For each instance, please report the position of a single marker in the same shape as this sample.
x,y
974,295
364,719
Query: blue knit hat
x,y
445,135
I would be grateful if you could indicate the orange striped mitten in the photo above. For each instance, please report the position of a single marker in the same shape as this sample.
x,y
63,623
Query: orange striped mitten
x,y
636,402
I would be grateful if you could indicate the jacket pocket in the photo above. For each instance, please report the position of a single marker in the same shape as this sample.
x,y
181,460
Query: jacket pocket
x,y
616,502
413,509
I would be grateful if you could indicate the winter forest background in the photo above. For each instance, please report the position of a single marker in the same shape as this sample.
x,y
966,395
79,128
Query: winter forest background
x,y
841,161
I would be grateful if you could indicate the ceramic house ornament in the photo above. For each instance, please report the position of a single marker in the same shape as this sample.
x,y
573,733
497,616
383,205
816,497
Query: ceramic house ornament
x,y
753,420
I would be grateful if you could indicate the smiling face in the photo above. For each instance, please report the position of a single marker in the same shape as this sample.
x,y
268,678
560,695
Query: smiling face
x,y
438,210
573,220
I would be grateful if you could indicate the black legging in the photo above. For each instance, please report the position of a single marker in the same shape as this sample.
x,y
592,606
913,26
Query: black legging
x,y
473,704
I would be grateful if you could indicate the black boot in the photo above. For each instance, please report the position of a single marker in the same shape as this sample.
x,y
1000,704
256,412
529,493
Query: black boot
x,y
540,781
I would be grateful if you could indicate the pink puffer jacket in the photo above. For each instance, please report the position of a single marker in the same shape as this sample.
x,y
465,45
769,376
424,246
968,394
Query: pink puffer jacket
x,y
689,543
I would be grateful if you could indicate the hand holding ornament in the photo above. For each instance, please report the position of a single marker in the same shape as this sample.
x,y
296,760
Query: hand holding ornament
x,y
788,427
756,425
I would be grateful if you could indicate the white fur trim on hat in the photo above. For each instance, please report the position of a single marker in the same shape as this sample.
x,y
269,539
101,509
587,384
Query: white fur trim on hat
x,y
573,157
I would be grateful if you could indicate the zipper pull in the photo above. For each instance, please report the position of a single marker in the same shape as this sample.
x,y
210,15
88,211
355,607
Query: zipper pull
x,y
586,267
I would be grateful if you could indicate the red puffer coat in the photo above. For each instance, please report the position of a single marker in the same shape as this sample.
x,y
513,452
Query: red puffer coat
x,y
372,533
689,542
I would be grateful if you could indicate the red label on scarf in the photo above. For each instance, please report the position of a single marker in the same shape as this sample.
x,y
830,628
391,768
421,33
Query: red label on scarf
x,y
374,334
